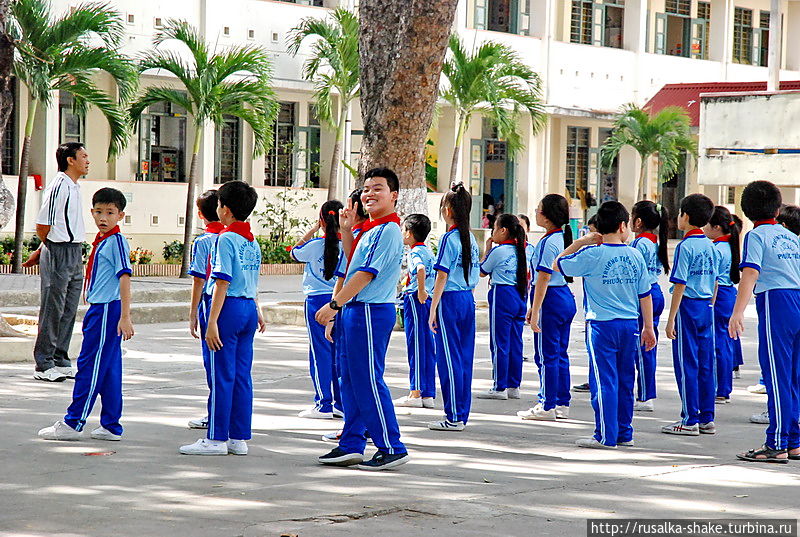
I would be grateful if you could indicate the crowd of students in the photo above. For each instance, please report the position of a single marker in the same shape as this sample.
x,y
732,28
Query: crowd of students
x,y
351,281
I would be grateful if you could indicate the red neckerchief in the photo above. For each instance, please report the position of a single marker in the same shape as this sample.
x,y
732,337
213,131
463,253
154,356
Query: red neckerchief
x,y
651,236
240,228
556,230
214,227
451,228
724,238
693,232
417,244
369,224
768,221
510,241
100,237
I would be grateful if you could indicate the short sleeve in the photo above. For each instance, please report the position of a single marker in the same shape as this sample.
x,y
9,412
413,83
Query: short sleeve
x,y
341,266
581,263
52,201
448,254
753,251
490,263
382,250
222,268
680,268
550,252
415,262
199,263
303,253
719,262
122,256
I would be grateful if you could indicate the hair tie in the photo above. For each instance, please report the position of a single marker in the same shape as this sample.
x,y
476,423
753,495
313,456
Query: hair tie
x,y
658,207
331,213
456,184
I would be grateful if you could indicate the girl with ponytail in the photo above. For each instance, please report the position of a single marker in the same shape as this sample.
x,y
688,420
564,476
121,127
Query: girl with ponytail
x,y
324,260
551,312
723,230
452,316
507,266
650,222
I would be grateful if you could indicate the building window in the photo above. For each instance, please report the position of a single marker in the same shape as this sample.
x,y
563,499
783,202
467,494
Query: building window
x,y
251,34
597,22
761,36
700,43
10,136
581,22
731,195
71,125
162,144
742,35
316,3
279,169
131,18
679,7
227,146
577,160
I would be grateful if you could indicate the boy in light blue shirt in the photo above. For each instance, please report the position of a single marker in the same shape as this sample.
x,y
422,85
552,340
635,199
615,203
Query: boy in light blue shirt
x,y
617,286
690,325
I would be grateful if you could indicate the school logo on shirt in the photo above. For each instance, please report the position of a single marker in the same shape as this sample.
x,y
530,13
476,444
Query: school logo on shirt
x,y
619,271
702,265
785,247
249,257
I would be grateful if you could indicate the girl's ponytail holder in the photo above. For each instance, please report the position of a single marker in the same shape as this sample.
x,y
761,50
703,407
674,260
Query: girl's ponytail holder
x,y
331,213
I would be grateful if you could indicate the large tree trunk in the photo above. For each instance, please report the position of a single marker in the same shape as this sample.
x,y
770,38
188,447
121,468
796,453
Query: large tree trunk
x,y
641,186
402,47
22,188
333,181
460,127
188,230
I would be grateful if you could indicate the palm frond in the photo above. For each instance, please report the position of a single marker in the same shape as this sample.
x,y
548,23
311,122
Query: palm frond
x,y
83,60
87,20
154,95
187,34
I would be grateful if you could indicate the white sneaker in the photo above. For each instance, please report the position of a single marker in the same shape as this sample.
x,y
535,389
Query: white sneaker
x,y
408,402
762,418
629,443
592,442
722,400
757,388
680,429
59,431
707,428
427,402
50,375
204,446
538,413
101,433
737,374
68,372
562,412
446,425
314,413
337,413
513,393
200,423
237,447
643,406
493,394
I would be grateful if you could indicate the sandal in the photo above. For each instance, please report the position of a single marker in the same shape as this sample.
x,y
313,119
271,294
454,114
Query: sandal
x,y
764,454
793,457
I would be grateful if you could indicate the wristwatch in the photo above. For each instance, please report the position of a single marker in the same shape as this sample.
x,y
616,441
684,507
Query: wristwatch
x,y
334,305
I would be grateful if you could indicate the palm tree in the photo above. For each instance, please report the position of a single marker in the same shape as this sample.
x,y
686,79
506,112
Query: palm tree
x,y
333,65
666,134
65,53
234,82
495,82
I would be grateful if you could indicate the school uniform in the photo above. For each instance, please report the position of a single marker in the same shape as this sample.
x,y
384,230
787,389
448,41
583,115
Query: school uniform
x,y
774,252
558,310
696,266
419,338
367,322
506,315
455,336
647,245
724,349
615,278
318,292
236,259
100,359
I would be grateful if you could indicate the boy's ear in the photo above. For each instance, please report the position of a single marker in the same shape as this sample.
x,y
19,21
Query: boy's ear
x,y
122,215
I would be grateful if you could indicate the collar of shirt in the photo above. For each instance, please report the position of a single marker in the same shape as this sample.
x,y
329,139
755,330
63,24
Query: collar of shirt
x,y
510,241
100,237
770,221
694,233
651,236
451,228
417,244
214,227
240,228
724,238
369,224
556,230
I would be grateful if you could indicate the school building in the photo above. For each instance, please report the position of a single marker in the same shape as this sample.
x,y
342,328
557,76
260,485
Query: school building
x,y
593,57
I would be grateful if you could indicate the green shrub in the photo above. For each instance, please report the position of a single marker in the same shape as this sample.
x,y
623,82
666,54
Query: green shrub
x,y
173,251
273,253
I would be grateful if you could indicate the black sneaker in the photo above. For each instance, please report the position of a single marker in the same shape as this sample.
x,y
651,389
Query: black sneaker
x,y
383,461
581,387
339,457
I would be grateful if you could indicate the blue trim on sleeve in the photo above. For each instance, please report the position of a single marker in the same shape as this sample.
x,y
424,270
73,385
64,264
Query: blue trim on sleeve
x,y
675,262
221,276
196,274
645,295
339,274
749,265
124,271
672,279
542,268
441,268
371,270
375,246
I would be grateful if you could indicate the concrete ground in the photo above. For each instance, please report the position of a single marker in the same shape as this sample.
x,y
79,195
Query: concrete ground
x,y
501,476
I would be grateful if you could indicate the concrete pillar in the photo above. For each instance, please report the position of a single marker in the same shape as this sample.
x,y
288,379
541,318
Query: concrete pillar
x,y
792,36
721,39
45,140
635,26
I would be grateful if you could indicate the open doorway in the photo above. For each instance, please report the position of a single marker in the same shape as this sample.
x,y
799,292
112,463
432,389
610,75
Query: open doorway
x,y
671,193
492,181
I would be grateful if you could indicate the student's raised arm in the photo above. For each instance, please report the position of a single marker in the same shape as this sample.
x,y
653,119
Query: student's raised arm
x,y
309,235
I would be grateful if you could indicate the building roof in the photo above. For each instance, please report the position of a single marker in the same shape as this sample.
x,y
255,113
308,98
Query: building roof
x,y
687,96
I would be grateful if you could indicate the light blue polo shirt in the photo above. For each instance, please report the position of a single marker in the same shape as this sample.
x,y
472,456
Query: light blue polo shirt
x,y
774,252
312,253
723,249
450,262
649,250
111,261
614,279
200,265
420,257
545,253
379,252
696,265
501,265
237,261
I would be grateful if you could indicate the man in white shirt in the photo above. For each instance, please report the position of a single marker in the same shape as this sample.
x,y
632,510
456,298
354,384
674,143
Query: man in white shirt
x,y
60,227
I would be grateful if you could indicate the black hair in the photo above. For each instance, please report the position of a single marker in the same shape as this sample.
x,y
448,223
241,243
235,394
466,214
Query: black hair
x,y
110,195
555,208
609,216
592,221
738,222
699,207
761,200
517,233
723,218
789,217
207,205
419,225
459,201
391,178
655,216
358,205
329,214
524,218
65,151
239,197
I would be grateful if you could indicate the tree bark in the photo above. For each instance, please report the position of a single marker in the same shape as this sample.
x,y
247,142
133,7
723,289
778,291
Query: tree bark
x,y
641,185
460,127
402,48
22,188
333,181
190,205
